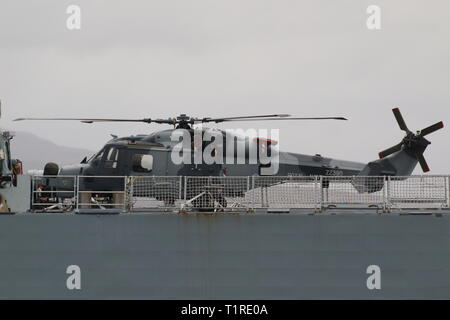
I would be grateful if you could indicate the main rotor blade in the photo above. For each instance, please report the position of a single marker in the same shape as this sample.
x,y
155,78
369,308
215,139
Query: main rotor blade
x,y
89,120
242,117
422,162
272,119
431,129
390,150
400,120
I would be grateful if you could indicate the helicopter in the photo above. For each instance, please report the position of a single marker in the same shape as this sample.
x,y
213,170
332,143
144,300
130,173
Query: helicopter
x,y
153,154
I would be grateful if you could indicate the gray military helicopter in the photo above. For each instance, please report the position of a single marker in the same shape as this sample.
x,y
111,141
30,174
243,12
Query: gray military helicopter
x,y
150,155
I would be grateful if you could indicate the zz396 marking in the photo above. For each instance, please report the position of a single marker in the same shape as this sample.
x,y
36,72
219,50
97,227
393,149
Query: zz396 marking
x,y
333,172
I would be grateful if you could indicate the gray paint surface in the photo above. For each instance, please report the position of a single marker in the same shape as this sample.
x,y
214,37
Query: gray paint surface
x,y
18,197
267,256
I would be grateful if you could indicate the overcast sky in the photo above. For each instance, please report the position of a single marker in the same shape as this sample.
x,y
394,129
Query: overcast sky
x,y
156,59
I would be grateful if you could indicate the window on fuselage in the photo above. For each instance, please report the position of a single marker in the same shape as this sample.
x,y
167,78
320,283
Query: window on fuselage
x,y
97,157
112,158
142,163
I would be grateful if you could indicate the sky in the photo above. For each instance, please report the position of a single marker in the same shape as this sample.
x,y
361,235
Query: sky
x,y
209,58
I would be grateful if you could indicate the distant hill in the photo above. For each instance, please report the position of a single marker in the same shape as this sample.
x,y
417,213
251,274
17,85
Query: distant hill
x,y
35,152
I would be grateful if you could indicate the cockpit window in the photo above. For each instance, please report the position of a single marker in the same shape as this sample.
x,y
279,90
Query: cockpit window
x,y
97,157
112,158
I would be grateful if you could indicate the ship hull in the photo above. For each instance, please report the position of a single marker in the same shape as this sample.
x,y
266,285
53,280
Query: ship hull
x,y
224,256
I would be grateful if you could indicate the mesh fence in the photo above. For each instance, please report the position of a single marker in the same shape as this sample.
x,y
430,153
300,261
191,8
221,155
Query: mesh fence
x,y
238,193
367,191
154,192
285,192
418,192
217,193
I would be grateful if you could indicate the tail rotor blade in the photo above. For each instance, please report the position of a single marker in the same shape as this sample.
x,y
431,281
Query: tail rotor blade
x,y
422,162
390,150
431,129
400,120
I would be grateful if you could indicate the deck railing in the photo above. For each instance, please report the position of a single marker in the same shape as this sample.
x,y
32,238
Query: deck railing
x,y
177,193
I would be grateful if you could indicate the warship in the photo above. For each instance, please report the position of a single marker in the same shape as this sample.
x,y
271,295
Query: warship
x,y
294,238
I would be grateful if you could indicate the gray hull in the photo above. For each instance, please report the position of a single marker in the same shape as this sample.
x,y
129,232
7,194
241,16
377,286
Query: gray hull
x,y
247,256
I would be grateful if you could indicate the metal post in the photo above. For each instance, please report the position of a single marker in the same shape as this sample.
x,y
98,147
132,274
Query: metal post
x,y
125,189
262,197
77,192
185,188
316,198
131,193
447,184
75,189
384,190
246,193
180,189
33,182
266,189
321,193
388,194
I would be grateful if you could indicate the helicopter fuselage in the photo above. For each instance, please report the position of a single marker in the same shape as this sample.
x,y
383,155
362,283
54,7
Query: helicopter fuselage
x,y
153,155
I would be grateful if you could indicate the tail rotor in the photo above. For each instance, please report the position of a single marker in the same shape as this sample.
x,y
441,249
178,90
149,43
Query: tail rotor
x,y
413,143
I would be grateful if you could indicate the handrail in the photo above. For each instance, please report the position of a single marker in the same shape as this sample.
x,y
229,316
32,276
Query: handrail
x,y
132,193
